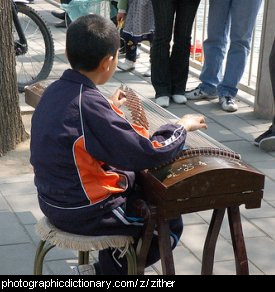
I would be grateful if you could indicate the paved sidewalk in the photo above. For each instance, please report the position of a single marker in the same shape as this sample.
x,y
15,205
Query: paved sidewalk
x,y
19,210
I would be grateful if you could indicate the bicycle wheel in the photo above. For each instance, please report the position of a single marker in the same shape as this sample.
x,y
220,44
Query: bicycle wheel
x,y
36,64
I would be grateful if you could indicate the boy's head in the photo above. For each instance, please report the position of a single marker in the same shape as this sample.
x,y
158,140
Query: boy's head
x,y
92,40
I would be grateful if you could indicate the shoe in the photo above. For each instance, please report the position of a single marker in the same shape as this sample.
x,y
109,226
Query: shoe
x,y
163,101
58,15
197,93
228,104
65,23
126,66
262,136
147,73
84,270
179,98
266,141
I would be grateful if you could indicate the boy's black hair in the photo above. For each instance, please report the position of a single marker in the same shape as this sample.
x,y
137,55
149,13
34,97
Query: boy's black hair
x,y
89,39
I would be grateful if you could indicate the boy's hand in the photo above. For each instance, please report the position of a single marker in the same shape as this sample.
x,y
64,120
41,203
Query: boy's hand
x,y
118,98
121,16
193,122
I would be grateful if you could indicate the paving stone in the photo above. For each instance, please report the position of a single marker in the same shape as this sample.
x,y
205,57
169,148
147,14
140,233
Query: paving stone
x,y
3,204
15,179
194,236
267,167
249,230
17,259
249,152
237,126
228,268
221,134
269,190
26,208
264,224
185,262
261,251
192,218
61,267
20,188
11,231
265,211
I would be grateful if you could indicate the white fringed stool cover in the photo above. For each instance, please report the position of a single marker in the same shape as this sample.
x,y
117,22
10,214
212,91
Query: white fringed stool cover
x,y
48,232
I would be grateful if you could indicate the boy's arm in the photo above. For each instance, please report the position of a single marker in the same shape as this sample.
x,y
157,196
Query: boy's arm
x,y
110,138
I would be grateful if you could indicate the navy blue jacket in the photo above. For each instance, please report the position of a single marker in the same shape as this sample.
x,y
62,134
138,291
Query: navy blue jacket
x,y
84,152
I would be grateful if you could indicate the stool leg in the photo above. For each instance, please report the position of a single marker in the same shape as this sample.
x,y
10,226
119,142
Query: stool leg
x,y
210,242
83,257
241,260
42,249
132,261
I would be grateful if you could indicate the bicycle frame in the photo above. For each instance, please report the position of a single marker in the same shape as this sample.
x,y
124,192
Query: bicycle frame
x,y
21,46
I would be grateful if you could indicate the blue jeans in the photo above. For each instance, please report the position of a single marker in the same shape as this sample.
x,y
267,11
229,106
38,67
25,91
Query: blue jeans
x,y
230,29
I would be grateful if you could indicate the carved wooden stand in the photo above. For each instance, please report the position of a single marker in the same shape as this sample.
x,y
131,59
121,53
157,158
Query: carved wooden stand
x,y
161,224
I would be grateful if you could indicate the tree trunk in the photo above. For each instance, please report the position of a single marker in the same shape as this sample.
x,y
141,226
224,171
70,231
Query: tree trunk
x,y
12,129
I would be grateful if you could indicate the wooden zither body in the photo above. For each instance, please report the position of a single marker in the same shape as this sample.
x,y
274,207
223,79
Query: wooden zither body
x,y
202,182
205,175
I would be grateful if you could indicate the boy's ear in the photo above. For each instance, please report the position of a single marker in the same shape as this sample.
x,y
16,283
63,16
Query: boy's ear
x,y
106,62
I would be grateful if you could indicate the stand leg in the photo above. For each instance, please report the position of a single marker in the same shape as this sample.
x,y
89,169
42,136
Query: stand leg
x,y
142,253
165,249
235,224
211,241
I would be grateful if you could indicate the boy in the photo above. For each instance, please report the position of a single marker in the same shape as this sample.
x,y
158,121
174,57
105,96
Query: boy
x,y
84,151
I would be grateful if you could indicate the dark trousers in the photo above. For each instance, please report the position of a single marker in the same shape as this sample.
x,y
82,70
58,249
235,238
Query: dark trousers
x,y
272,76
122,220
110,262
131,49
131,46
170,71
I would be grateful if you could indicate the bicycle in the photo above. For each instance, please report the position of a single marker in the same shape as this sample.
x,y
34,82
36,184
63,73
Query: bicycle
x,y
33,44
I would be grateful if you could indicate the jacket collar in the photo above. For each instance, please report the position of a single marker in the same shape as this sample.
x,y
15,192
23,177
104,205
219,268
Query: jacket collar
x,y
77,77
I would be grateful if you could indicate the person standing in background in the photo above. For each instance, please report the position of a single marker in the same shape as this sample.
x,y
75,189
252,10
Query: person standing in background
x,y
266,141
170,70
139,26
62,16
230,28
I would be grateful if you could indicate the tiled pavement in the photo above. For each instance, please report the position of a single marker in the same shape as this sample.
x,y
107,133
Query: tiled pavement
x,y
19,209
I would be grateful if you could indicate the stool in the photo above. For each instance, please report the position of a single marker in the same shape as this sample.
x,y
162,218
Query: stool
x,y
50,236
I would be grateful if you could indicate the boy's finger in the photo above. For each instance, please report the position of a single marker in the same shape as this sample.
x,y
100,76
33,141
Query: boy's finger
x,y
121,95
